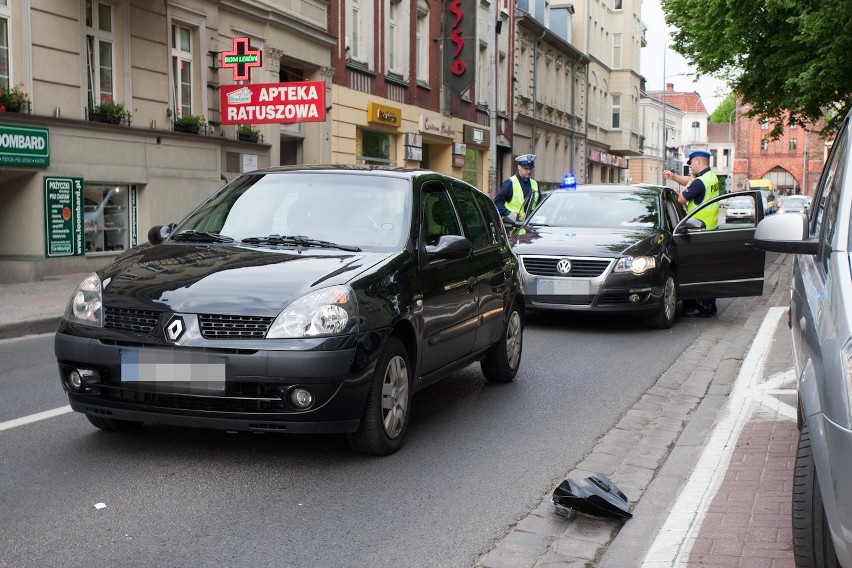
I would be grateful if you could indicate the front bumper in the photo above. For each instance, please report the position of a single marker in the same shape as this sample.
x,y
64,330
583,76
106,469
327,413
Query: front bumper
x,y
606,292
251,391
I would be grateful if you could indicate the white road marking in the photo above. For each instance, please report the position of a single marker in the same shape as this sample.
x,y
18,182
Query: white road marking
x,y
675,539
34,417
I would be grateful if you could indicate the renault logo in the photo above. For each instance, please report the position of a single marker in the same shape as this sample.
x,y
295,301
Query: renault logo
x,y
175,328
563,266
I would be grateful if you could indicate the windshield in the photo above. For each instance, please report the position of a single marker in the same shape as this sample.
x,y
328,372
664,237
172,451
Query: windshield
x,y
598,209
364,211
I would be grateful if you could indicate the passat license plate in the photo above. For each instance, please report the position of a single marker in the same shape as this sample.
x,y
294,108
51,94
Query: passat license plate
x,y
167,370
562,287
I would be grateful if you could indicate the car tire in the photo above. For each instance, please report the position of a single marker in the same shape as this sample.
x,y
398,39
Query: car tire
x,y
502,359
386,413
665,316
113,424
812,544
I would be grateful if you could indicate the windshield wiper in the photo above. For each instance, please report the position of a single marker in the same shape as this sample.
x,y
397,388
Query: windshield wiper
x,y
297,240
201,237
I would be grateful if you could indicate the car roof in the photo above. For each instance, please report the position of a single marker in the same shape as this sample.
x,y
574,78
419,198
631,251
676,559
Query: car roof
x,y
612,188
352,169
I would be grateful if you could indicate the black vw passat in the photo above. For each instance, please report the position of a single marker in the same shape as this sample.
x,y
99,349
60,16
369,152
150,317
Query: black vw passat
x,y
633,249
298,300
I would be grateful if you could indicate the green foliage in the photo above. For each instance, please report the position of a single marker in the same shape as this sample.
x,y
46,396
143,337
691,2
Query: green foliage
x,y
725,111
190,120
109,107
13,99
788,59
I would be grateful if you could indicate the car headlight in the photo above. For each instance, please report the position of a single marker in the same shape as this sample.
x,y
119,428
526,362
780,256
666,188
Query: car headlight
x,y
329,311
635,264
86,305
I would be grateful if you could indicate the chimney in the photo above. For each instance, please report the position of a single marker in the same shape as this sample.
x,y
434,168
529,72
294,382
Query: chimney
x,y
669,87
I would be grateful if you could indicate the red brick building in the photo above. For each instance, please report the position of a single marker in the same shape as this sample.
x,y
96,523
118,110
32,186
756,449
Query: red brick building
x,y
792,163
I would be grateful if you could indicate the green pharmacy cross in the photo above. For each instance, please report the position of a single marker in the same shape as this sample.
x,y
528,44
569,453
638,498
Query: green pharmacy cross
x,y
241,59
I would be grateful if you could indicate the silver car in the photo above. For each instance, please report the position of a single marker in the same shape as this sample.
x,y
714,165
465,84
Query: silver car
x,y
821,324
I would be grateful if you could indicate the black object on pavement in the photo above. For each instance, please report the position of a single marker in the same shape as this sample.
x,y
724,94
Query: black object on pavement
x,y
595,495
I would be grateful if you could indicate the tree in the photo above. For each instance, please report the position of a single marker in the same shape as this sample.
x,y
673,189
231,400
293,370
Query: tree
x,y
787,59
725,111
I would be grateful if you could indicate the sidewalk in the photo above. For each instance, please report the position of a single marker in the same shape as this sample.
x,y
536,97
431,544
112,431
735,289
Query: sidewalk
x,y
35,307
705,457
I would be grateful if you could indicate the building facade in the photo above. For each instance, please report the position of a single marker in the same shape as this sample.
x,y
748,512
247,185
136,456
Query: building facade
x,y
89,187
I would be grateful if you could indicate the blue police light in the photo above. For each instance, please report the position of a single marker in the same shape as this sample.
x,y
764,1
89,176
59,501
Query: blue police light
x,y
569,182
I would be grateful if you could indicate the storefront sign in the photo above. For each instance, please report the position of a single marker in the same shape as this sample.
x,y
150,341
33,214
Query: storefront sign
x,y
273,103
476,136
437,127
460,45
24,146
605,158
63,216
459,149
413,146
241,59
381,114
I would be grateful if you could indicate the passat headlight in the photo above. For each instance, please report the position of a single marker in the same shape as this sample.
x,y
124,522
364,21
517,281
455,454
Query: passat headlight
x,y
635,264
329,311
86,305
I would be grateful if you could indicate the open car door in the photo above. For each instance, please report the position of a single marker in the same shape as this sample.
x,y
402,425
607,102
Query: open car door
x,y
719,263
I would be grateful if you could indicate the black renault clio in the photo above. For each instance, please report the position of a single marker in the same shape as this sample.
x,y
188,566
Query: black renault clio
x,y
298,300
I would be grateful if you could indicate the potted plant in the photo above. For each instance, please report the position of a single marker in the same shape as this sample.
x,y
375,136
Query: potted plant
x,y
13,99
246,133
109,111
188,123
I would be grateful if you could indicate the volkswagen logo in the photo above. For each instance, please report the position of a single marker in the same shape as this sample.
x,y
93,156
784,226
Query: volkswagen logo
x,y
175,328
563,266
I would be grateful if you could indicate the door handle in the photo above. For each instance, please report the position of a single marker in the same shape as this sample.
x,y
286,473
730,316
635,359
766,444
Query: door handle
x,y
471,284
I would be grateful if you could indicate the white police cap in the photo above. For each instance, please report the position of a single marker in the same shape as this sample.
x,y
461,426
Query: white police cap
x,y
526,160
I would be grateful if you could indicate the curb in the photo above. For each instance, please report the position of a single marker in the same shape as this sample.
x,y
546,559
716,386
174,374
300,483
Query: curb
x,y
651,451
31,327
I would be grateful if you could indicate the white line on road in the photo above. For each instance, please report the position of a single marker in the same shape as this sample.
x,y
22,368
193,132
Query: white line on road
x,y
34,417
674,540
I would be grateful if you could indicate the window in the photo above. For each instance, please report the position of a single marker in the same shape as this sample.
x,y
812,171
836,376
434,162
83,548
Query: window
x,y
99,53
792,144
764,144
397,40
484,80
439,219
5,14
106,210
423,43
359,33
470,171
696,131
764,124
472,220
182,68
618,5
616,111
616,51
373,148
794,123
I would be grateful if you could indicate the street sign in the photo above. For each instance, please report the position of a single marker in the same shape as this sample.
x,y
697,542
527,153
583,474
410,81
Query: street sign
x,y
63,212
24,146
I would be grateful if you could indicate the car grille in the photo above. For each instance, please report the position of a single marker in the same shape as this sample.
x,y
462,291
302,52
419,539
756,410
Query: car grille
x,y
213,326
131,321
233,327
580,267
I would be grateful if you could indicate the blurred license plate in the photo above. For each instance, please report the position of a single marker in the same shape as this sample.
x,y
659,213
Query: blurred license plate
x,y
562,287
170,369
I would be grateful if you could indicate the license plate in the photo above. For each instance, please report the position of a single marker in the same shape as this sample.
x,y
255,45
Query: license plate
x,y
562,287
194,372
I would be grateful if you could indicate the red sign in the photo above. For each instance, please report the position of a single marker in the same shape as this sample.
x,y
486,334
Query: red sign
x,y
273,103
241,59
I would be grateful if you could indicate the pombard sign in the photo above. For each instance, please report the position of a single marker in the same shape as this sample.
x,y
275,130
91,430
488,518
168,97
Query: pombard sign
x,y
273,103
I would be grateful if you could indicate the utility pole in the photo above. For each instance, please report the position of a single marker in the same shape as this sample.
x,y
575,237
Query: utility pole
x,y
492,103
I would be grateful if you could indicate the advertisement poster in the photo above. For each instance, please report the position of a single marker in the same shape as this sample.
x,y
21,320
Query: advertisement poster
x,y
63,212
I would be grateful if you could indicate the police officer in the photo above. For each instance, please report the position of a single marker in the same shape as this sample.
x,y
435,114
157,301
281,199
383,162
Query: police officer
x,y
519,194
701,186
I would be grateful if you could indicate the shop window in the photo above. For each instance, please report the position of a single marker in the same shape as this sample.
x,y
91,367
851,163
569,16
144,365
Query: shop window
x,y
470,171
373,148
100,71
107,217
4,44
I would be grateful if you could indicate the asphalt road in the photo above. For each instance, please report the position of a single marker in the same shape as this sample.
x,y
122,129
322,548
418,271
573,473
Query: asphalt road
x,y
477,458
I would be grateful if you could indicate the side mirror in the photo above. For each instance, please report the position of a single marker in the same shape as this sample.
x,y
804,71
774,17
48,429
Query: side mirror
x,y
449,247
159,233
785,233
